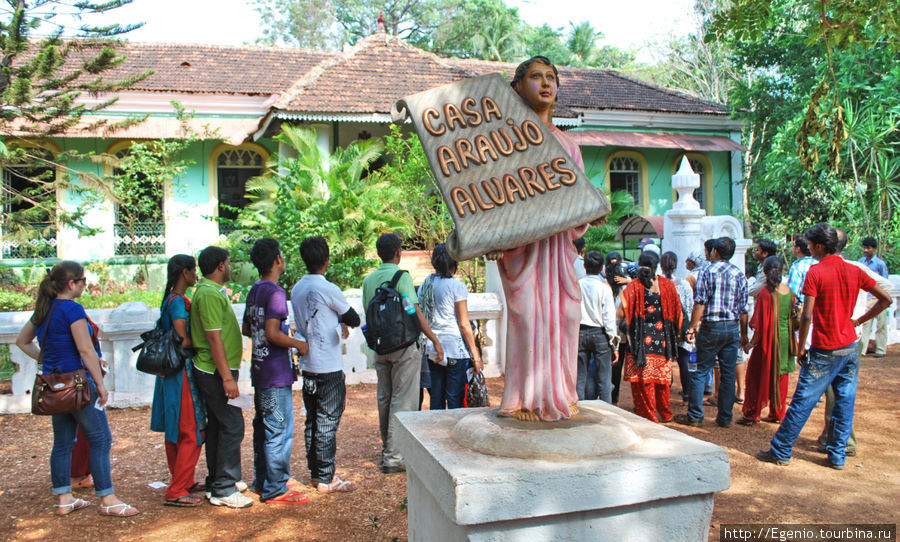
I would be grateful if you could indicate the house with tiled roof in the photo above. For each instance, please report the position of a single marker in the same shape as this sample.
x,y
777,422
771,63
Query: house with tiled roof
x,y
632,134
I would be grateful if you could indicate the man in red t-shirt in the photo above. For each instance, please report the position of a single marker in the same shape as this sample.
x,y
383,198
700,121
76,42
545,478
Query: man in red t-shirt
x,y
830,290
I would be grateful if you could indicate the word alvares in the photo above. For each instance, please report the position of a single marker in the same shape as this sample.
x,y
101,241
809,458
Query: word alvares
x,y
525,184
503,189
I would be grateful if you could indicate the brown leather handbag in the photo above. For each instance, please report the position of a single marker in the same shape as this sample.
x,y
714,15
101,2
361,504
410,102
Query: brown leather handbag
x,y
56,392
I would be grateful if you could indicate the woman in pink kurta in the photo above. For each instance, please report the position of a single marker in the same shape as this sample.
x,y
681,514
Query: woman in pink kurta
x,y
542,295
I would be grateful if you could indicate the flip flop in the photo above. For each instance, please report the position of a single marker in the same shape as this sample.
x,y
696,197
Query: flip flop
x,y
291,496
197,487
124,510
291,484
185,501
66,509
710,402
337,484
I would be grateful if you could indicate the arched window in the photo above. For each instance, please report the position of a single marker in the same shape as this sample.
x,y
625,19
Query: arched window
x,y
233,167
27,227
625,174
140,227
699,193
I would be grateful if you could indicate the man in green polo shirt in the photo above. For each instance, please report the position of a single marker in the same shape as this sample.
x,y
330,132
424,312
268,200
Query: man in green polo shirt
x,y
217,338
397,372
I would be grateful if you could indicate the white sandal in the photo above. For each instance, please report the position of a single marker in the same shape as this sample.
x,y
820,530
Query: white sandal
x,y
125,511
337,484
66,509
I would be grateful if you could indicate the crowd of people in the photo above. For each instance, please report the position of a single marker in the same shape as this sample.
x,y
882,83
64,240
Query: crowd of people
x,y
818,316
635,322
637,316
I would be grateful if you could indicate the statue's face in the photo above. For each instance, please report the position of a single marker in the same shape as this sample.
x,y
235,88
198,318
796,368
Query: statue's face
x,y
539,86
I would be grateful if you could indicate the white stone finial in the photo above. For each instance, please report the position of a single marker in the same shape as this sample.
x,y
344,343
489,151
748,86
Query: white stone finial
x,y
685,181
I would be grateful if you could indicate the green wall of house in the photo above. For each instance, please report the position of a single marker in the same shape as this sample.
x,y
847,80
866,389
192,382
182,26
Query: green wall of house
x,y
191,188
660,164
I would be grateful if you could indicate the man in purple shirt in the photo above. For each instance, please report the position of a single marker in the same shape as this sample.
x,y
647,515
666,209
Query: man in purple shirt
x,y
272,375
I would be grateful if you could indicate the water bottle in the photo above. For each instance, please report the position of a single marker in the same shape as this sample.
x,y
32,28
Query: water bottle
x,y
692,362
408,306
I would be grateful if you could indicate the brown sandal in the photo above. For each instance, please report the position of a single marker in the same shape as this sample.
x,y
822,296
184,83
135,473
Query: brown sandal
x,y
185,501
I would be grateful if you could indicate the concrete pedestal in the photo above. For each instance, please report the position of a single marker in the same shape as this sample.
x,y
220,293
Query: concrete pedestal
x,y
652,483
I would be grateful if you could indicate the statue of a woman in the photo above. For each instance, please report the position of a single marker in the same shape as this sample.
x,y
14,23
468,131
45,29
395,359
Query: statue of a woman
x,y
542,294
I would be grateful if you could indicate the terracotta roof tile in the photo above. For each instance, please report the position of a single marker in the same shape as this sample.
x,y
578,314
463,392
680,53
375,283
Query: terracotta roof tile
x,y
605,89
369,78
382,69
220,70
212,69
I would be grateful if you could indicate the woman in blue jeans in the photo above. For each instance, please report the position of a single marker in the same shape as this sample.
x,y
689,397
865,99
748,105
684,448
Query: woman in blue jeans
x,y
442,300
61,326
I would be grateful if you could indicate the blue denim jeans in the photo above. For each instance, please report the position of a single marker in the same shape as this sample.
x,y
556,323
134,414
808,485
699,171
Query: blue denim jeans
x,y
96,427
838,368
273,436
594,343
448,383
715,341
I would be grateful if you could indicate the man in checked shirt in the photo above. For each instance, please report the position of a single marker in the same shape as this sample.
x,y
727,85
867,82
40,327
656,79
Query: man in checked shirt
x,y
719,329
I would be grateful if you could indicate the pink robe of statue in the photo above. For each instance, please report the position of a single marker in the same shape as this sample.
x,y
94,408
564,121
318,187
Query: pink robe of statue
x,y
544,309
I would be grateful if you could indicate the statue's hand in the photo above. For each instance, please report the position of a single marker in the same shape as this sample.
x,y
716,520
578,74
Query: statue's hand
x,y
494,255
600,221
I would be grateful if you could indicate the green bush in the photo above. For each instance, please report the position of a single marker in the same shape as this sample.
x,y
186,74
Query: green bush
x,y
7,367
101,270
152,298
12,301
8,277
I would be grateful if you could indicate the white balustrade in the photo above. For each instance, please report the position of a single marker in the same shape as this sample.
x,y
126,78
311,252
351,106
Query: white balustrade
x,y
120,330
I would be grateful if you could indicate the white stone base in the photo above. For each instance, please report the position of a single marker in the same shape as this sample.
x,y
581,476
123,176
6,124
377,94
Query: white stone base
x,y
659,488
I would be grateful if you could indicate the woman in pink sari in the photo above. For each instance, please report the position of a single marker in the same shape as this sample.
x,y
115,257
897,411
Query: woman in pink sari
x,y
542,294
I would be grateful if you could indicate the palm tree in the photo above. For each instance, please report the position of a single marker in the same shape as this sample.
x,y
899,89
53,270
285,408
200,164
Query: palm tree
x,y
308,191
582,42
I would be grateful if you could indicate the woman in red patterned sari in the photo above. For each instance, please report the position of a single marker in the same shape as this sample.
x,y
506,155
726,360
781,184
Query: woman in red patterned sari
x,y
652,312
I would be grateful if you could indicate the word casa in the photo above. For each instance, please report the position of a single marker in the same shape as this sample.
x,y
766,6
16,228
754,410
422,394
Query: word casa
x,y
527,182
501,142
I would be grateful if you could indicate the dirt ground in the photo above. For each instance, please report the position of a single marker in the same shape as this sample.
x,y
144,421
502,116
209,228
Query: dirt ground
x,y
806,491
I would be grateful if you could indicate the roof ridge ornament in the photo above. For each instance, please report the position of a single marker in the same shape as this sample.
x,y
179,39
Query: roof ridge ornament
x,y
380,25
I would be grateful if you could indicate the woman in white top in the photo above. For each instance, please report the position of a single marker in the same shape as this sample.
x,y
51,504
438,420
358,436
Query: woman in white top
x,y
442,300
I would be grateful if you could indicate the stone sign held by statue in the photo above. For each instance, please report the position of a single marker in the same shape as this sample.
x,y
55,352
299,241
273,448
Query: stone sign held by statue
x,y
506,180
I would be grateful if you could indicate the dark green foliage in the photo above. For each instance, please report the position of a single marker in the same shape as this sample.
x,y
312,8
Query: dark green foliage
x,y
821,99
484,29
321,194
11,301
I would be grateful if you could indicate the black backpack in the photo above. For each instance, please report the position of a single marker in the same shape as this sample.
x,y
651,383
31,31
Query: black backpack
x,y
388,326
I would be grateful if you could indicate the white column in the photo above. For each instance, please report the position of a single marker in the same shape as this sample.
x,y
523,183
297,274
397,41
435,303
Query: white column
x,y
493,285
682,230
